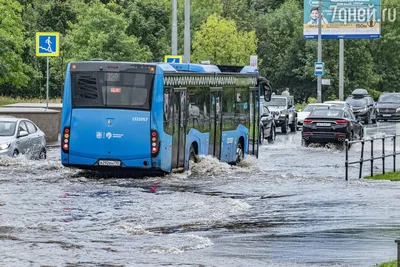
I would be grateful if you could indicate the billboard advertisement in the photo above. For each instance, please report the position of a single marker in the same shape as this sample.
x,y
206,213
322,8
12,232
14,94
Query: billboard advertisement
x,y
343,19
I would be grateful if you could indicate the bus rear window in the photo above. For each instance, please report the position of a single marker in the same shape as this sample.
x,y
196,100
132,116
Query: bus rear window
x,y
112,90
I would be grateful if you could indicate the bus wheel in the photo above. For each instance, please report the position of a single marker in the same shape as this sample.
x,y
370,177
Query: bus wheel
x,y
239,153
192,155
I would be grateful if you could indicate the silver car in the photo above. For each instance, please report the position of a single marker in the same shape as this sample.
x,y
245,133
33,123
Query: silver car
x,y
21,136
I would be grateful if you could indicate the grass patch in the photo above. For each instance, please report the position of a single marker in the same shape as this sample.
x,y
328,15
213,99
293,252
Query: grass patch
x,y
5,100
392,176
388,264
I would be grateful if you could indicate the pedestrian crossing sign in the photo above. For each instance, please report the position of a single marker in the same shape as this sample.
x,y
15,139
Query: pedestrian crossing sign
x,y
173,59
47,44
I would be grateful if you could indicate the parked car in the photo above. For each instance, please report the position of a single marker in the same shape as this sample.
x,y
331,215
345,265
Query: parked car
x,y
282,107
331,125
267,125
302,114
388,106
363,105
21,136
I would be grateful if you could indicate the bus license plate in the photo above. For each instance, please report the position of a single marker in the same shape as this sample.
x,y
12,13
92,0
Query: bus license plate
x,y
323,124
113,163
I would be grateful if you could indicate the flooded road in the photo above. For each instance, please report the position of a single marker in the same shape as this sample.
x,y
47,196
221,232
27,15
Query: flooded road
x,y
290,207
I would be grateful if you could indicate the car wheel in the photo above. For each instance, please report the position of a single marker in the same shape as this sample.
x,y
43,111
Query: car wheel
x,y
239,153
285,126
293,126
43,153
271,137
261,136
367,118
305,143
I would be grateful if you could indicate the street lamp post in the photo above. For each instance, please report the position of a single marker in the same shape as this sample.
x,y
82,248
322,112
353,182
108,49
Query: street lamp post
x,y
319,77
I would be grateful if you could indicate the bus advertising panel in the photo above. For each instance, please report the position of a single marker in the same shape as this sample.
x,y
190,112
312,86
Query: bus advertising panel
x,y
345,19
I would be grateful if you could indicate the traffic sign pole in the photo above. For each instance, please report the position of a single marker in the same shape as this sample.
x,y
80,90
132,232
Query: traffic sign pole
x,y
47,85
47,45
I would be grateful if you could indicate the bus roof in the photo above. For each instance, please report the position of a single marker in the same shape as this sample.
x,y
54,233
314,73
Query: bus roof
x,y
195,67
175,67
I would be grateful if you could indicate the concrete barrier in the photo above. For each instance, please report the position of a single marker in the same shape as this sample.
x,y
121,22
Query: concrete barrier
x,y
47,120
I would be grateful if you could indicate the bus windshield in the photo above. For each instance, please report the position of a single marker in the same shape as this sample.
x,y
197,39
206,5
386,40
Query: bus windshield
x,y
111,90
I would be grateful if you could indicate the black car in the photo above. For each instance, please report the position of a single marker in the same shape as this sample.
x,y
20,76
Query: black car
x,y
267,125
388,106
363,105
331,125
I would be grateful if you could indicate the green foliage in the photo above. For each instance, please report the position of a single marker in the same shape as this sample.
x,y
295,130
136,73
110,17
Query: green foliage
x,y
301,106
374,94
149,19
389,264
13,70
391,176
219,41
100,33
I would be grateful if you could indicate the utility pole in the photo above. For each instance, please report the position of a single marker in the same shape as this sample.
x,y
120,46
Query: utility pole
x,y
319,77
186,55
341,69
174,39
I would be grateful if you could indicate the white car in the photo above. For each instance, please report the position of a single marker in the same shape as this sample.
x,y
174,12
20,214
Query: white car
x,y
340,104
302,114
21,136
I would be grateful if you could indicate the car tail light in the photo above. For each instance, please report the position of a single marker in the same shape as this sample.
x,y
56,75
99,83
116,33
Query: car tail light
x,y
307,121
65,140
155,143
306,133
340,134
340,121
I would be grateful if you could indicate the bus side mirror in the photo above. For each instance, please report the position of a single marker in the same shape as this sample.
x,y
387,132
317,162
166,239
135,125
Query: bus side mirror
x,y
267,93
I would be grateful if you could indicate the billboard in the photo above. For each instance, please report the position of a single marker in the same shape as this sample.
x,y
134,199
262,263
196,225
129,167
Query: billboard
x,y
343,19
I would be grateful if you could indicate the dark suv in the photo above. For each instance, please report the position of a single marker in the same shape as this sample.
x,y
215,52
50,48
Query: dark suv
x,y
388,106
363,105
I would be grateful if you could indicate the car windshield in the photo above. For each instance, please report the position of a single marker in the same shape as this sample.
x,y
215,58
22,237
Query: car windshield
x,y
279,102
389,98
357,101
326,113
7,128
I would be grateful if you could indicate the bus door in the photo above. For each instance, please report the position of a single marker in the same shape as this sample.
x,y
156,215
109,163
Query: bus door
x,y
179,128
254,122
215,122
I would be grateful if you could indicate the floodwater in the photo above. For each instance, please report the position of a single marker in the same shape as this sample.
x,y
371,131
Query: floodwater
x,y
290,207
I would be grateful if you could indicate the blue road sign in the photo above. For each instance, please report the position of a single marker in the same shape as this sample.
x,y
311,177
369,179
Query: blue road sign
x,y
47,44
319,68
173,59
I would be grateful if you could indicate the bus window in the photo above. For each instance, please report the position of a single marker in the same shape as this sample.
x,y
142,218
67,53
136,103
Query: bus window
x,y
112,90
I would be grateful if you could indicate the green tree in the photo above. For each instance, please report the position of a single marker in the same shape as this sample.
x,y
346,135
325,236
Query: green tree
x,y
219,41
13,70
101,33
150,19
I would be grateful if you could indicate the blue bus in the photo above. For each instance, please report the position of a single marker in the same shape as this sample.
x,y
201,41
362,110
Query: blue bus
x,y
157,117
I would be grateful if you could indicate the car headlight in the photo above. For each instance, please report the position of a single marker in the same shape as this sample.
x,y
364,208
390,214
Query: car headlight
x,y
398,110
377,110
4,146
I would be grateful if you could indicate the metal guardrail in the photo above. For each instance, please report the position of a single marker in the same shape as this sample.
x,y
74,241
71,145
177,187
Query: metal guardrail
x,y
371,159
